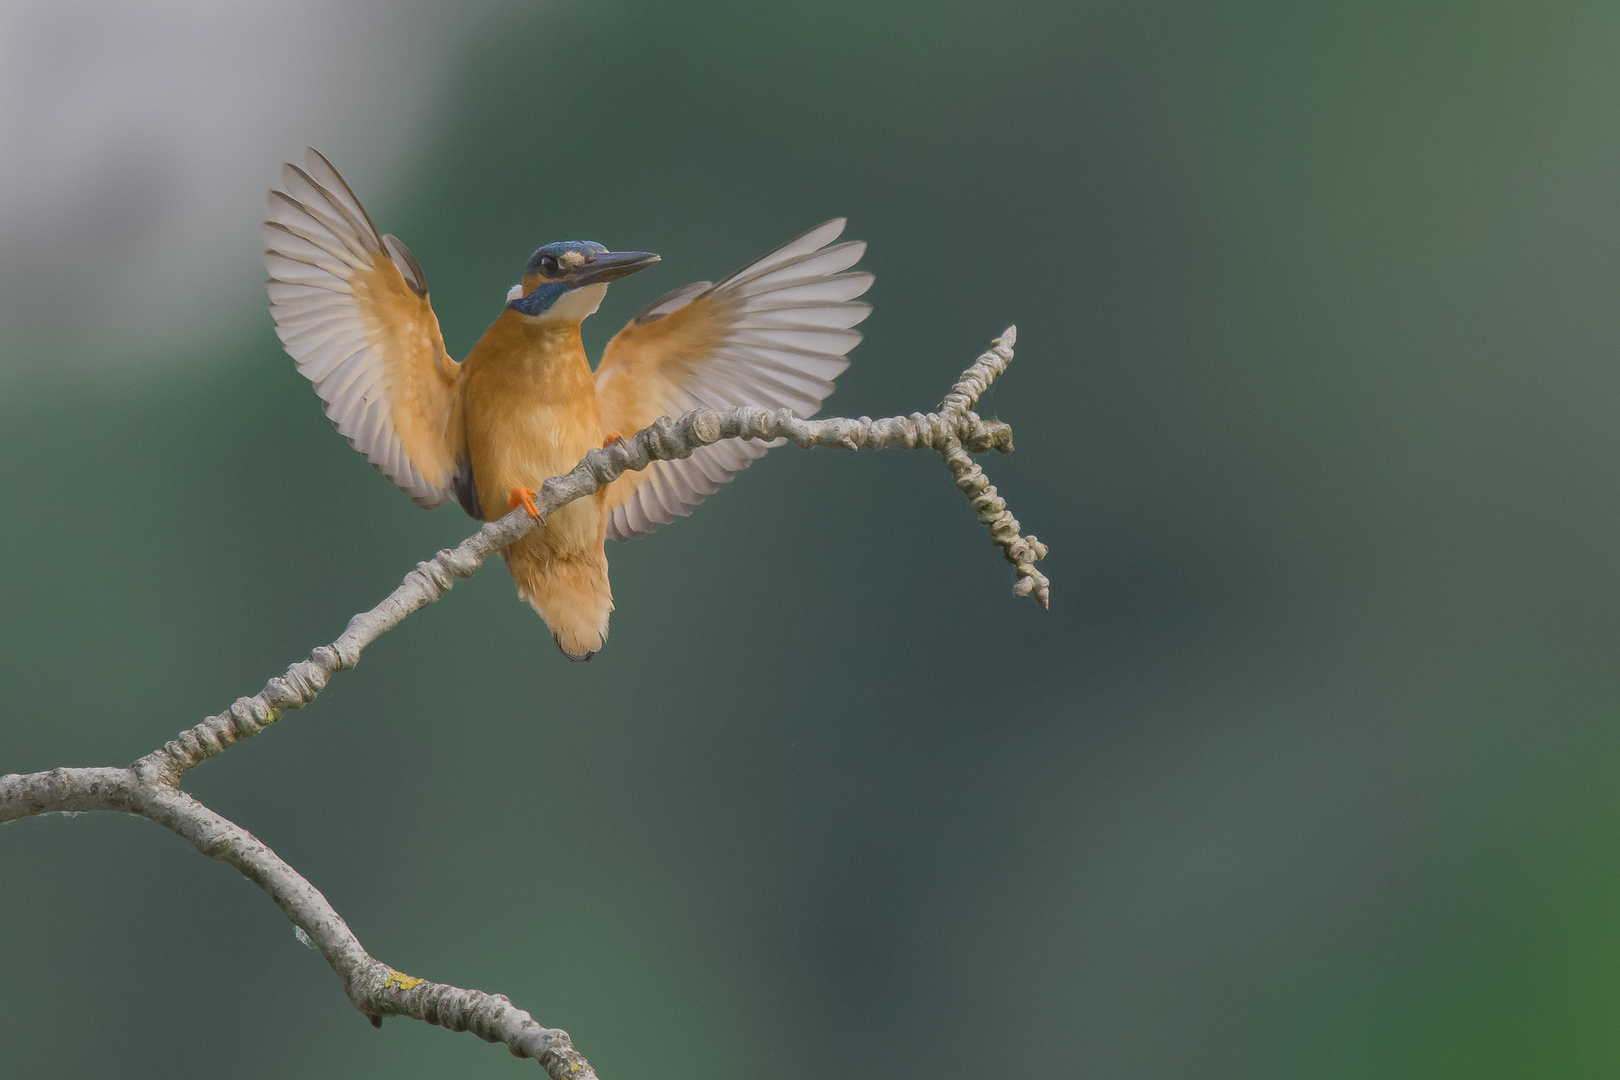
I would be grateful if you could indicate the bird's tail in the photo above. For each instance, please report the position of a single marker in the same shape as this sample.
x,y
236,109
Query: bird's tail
x,y
569,590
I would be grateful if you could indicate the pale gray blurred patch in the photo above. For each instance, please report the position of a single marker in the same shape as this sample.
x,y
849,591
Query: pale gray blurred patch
x,y
139,140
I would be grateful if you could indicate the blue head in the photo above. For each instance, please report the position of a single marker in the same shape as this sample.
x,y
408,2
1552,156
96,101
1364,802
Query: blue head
x,y
575,272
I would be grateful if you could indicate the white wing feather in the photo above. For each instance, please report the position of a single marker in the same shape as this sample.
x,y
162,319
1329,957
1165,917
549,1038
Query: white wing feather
x,y
791,315
319,242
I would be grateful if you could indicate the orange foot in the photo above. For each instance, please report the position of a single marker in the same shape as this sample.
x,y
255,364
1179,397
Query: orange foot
x,y
522,496
611,438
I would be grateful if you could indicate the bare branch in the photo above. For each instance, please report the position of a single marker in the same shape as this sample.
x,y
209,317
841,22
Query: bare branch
x,y
149,787
372,986
952,430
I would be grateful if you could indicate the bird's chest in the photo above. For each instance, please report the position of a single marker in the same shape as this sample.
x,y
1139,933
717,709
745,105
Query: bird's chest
x,y
530,407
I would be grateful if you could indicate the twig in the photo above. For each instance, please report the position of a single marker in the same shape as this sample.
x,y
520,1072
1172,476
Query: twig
x,y
150,786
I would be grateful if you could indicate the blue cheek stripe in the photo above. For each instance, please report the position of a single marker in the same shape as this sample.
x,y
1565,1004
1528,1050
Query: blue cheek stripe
x,y
538,301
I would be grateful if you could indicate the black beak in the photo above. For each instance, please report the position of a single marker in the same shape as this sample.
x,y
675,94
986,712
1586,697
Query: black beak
x,y
611,266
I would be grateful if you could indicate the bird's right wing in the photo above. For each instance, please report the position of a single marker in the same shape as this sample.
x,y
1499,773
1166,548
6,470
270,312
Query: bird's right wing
x,y
773,335
352,309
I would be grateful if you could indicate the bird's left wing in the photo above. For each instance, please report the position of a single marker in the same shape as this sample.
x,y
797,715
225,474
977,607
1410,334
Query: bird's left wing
x,y
774,335
352,309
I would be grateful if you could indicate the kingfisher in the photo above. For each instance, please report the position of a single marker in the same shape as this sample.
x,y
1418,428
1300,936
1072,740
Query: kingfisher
x,y
351,307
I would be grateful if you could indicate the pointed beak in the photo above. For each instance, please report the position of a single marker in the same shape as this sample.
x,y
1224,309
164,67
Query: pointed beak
x,y
611,266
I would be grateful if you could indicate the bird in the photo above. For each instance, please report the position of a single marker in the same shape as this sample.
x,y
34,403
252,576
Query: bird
x,y
351,307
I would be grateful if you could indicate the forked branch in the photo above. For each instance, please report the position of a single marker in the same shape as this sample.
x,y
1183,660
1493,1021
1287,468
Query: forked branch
x,y
150,786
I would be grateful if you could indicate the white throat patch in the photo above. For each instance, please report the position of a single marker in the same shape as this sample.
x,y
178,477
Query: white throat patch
x,y
572,306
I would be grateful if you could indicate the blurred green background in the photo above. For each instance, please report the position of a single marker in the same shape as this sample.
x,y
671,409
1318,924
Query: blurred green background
x,y
1311,770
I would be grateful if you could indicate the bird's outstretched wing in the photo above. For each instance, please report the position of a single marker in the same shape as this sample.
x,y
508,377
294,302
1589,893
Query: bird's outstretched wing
x,y
352,308
773,335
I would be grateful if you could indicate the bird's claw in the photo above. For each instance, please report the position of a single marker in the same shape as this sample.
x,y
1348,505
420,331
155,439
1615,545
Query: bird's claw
x,y
522,496
610,438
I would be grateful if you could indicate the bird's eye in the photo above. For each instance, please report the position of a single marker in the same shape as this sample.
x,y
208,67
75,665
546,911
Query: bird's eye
x,y
548,265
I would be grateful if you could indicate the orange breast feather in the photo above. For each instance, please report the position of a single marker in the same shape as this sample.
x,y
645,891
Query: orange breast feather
x,y
530,406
